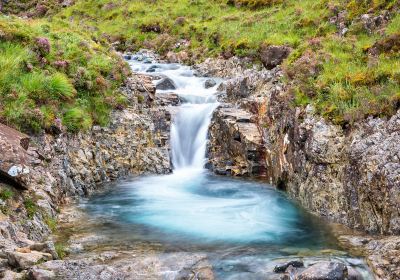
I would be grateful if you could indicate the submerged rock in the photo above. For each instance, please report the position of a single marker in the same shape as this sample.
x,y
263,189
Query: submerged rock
x,y
282,267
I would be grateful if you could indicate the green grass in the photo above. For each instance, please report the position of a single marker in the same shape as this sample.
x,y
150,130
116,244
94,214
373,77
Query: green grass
x,y
61,250
51,223
80,81
31,207
68,76
350,85
6,194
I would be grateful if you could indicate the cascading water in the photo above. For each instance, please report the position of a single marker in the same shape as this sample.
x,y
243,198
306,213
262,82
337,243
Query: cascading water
x,y
190,125
240,224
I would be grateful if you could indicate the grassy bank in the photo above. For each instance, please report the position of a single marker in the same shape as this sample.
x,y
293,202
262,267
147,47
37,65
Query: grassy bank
x,y
338,74
347,77
52,72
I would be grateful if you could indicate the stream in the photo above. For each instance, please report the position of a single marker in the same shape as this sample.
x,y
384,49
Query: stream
x,y
241,227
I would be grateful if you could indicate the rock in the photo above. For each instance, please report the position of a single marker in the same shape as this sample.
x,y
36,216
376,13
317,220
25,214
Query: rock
x,y
279,268
26,260
324,271
11,275
41,274
166,84
238,88
353,274
152,69
236,140
46,247
13,162
209,83
272,56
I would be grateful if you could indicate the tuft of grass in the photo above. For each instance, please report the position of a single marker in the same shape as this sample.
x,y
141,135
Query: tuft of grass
x,y
51,223
72,80
31,207
61,250
6,194
76,119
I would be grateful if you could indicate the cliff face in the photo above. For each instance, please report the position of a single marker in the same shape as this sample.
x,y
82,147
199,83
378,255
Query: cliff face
x,y
59,166
349,175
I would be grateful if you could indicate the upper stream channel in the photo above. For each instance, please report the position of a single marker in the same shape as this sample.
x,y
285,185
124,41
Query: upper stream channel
x,y
241,227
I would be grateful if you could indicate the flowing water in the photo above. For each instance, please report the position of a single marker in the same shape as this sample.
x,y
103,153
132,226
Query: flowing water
x,y
240,224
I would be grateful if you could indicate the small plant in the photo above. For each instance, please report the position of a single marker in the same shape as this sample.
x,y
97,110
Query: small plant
x,y
31,207
51,223
61,250
6,194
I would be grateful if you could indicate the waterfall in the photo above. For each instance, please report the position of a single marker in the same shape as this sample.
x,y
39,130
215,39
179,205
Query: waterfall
x,y
190,125
189,135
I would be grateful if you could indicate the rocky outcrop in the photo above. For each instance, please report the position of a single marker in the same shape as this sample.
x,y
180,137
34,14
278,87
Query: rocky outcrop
x,y
236,144
348,175
14,159
382,253
63,165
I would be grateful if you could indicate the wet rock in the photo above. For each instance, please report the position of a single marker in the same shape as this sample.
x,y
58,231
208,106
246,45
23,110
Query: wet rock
x,y
166,84
152,69
26,260
209,83
353,274
279,268
324,271
272,56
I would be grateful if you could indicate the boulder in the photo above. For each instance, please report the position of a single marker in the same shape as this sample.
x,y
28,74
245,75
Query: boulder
x,y
26,260
152,69
209,83
324,271
272,56
46,247
41,274
166,84
14,156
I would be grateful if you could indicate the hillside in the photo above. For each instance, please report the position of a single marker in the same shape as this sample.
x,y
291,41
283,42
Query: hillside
x,y
51,71
345,54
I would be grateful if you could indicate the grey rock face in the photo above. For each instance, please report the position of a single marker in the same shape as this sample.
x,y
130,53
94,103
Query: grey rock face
x,y
324,271
347,176
65,165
